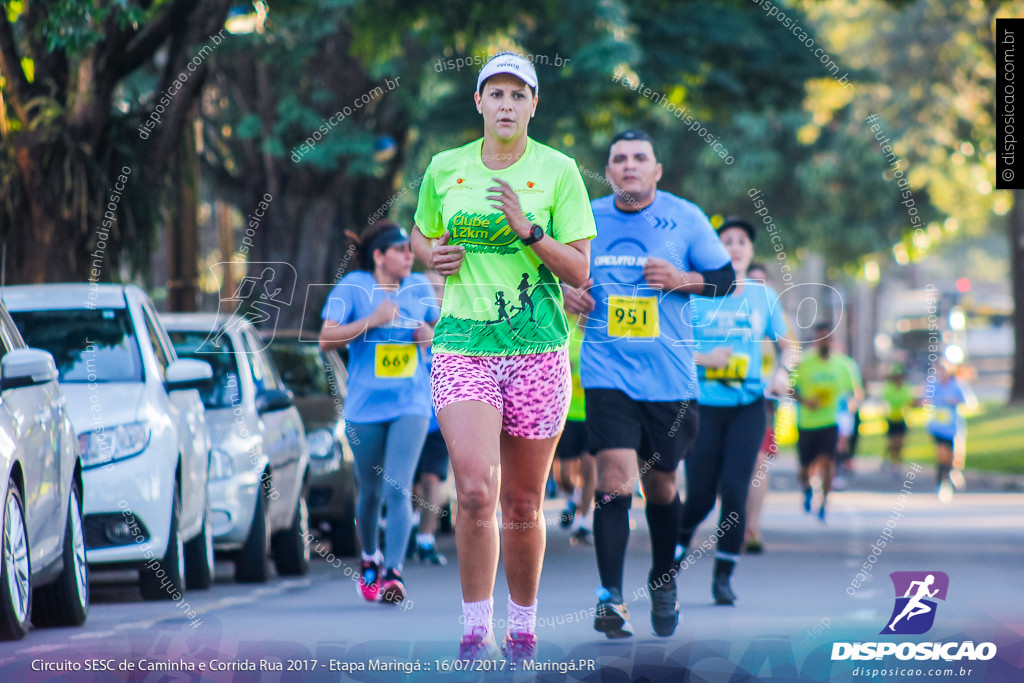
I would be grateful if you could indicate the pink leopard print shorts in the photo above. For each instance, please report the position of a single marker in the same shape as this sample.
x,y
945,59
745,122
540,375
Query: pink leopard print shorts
x,y
530,392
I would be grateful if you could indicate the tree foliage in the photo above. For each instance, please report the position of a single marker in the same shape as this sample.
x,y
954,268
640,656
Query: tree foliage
x,y
68,121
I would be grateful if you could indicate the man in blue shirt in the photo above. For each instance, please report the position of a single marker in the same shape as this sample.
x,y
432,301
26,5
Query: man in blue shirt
x,y
652,251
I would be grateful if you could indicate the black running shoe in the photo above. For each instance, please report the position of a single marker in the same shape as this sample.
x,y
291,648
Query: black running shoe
x,y
427,554
612,616
664,607
581,536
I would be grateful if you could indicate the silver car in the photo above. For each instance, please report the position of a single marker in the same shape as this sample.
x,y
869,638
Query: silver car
x,y
141,429
318,379
259,470
44,575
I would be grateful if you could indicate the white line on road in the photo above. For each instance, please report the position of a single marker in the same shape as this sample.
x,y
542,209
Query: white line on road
x,y
95,634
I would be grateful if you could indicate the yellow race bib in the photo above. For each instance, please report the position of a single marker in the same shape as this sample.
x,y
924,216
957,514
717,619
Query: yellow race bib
x,y
736,369
633,316
825,397
396,361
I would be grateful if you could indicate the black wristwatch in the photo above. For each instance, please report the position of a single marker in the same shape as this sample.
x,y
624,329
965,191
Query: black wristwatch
x,y
536,233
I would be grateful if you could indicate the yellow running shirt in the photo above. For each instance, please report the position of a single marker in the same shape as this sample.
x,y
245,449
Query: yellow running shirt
x,y
503,301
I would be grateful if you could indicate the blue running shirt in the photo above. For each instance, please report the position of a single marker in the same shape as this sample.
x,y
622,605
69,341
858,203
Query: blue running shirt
x,y
388,376
945,419
741,321
638,339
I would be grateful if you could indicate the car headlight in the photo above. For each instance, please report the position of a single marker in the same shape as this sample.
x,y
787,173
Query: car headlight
x,y
321,443
222,465
113,443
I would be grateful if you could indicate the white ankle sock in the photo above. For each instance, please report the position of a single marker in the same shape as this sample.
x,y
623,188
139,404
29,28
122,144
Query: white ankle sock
x,y
522,619
478,615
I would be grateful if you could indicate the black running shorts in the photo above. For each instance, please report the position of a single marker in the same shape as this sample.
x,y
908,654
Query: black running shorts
x,y
661,432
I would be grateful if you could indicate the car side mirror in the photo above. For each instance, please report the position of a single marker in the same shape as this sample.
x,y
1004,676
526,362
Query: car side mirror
x,y
26,368
272,400
187,373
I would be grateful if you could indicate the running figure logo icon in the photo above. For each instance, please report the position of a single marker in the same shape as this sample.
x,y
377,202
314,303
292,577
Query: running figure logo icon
x,y
916,592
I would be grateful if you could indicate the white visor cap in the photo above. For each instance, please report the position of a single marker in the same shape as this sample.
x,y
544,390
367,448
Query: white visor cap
x,y
509,63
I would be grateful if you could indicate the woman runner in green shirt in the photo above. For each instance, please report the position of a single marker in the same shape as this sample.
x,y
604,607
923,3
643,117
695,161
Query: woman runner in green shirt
x,y
511,218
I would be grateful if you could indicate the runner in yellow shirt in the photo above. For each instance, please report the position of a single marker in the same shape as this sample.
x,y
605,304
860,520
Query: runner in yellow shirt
x,y
505,219
899,397
822,378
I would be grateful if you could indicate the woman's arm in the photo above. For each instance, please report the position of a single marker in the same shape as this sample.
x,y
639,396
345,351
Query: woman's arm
x,y
718,357
445,258
569,262
424,334
336,335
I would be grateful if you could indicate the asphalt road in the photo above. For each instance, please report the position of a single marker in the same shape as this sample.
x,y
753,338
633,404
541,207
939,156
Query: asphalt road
x,y
794,602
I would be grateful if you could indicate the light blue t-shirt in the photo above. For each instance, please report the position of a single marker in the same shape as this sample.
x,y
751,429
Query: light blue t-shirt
x,y
638,339
741,321
387,374
945,419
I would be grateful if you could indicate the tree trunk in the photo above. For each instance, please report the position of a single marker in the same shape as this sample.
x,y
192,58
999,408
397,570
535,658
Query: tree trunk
x,y
1015,228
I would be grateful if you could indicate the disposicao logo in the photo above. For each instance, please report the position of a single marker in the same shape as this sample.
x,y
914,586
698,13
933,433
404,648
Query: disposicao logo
x,y
916,592
913,614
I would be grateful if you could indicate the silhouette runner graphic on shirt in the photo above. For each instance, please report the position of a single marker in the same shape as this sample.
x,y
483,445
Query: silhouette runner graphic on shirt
x,y
499,301
524,295
914,606
507,311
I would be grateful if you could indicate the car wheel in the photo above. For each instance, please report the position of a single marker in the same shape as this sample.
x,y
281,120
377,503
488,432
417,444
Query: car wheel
x,y
344,539
161,580
15,573
291,552
65,602
199,556
252,564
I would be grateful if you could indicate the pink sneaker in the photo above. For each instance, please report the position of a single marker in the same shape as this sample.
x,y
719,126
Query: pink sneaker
x,y
479,645
519,647
369,581
391,587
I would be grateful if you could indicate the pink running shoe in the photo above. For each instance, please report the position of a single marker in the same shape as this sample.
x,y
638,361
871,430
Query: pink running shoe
x,y
479,645
519,647
391,587
369,581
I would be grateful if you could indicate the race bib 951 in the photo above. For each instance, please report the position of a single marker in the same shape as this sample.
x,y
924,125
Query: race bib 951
x,y
633,316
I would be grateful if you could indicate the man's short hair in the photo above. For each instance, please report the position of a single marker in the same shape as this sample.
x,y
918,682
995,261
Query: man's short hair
x,y
632,135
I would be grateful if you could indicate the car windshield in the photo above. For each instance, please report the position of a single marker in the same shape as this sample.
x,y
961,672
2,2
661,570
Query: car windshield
x,y
220,354
303,368
88,345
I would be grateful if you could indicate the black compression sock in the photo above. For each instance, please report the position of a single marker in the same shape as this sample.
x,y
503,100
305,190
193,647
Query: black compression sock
x,y
663,521
611,535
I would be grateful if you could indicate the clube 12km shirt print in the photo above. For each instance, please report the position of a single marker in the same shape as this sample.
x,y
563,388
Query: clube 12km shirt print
x,y
505,300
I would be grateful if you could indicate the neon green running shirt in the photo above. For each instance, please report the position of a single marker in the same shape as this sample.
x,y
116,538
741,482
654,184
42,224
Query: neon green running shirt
x,y
825,380
503,301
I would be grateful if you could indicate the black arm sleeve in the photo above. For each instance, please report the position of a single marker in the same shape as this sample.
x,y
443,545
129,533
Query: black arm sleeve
x,y
719,282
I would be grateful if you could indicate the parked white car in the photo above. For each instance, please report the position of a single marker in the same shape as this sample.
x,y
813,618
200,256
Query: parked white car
x,y
141,429
260,467
43,572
